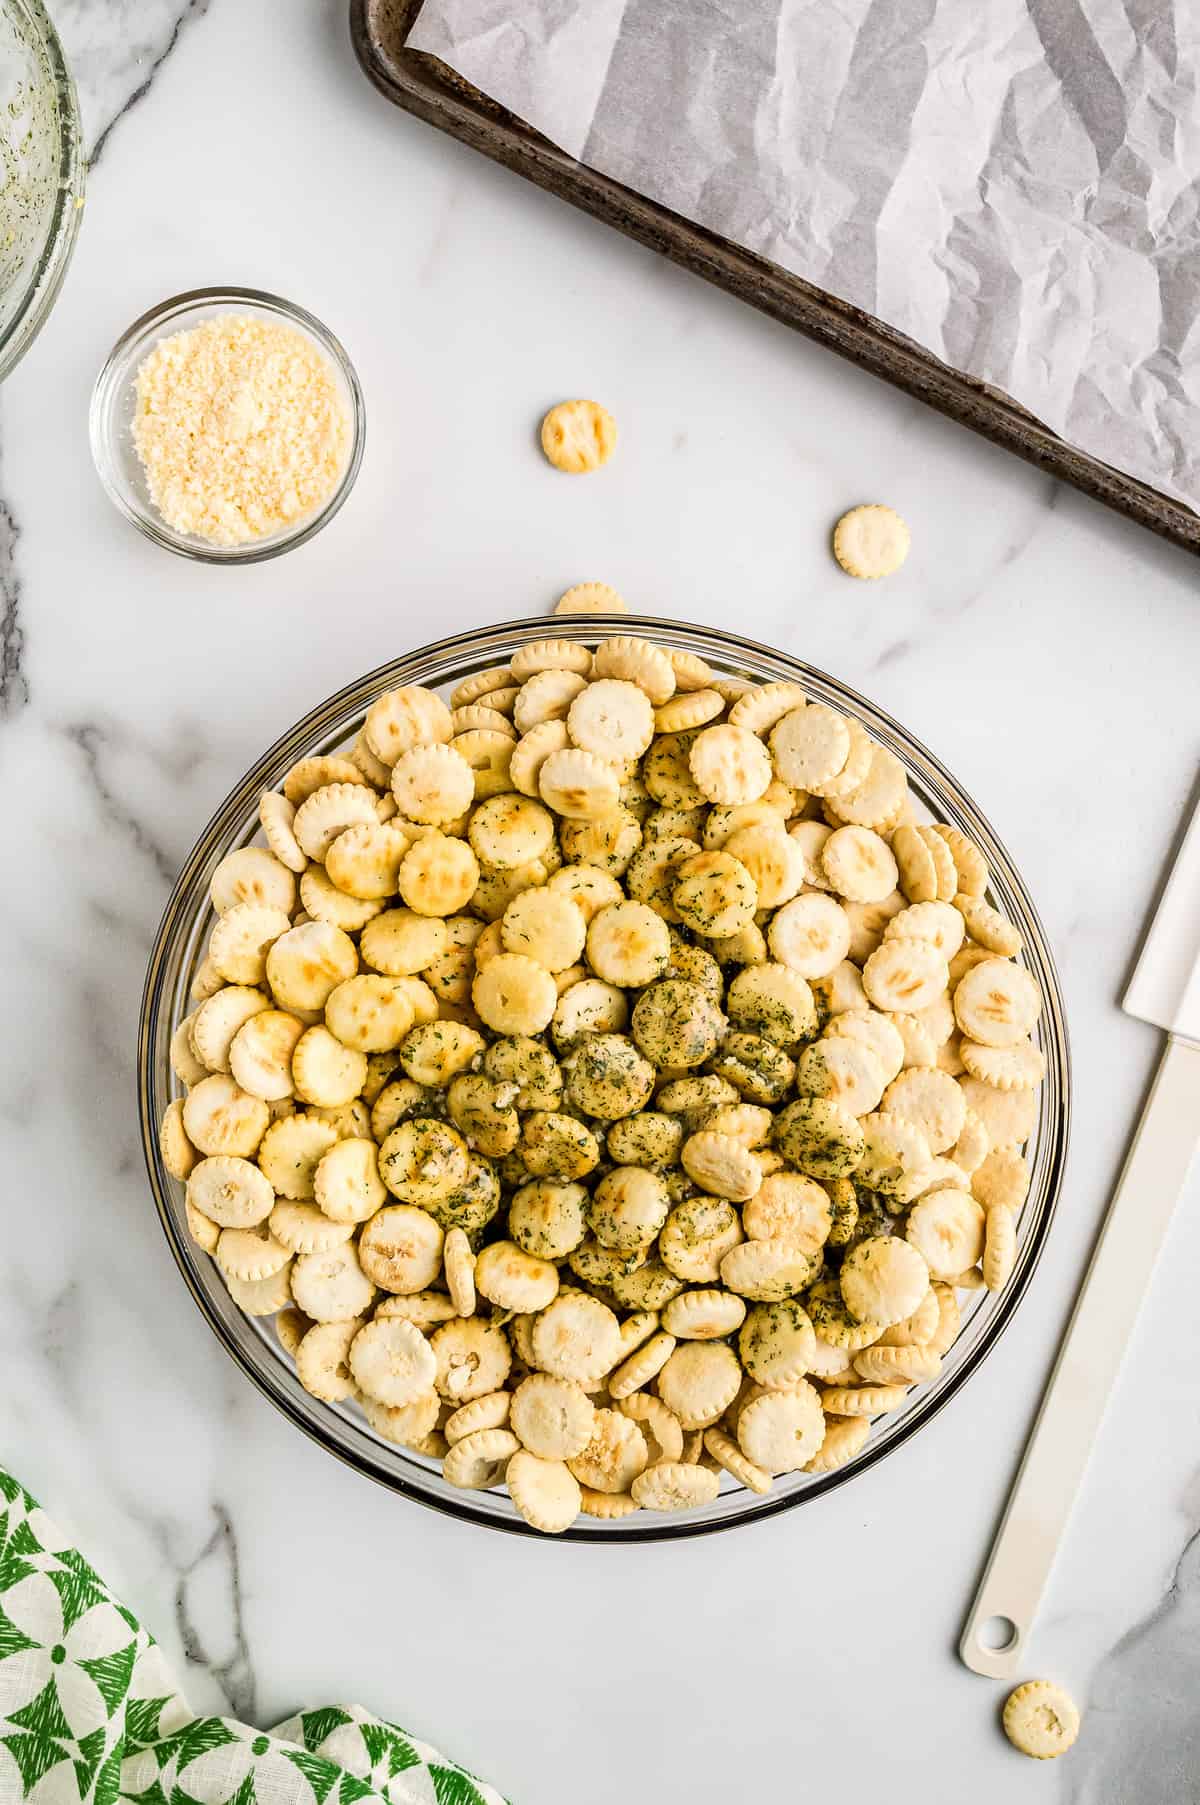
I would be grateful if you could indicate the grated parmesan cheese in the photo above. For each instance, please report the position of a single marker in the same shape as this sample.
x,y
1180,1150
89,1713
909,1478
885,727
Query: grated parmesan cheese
x,y
240,427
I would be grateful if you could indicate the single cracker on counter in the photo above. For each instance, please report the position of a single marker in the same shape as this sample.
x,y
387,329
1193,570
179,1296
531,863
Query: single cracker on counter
x,y
1041,1720
871,541
578,436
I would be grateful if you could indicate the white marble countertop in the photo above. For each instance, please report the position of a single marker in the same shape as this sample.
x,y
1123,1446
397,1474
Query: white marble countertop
x,y
1047,652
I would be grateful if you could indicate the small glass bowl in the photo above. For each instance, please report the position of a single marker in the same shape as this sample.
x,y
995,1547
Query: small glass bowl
x,y
110,420
180,946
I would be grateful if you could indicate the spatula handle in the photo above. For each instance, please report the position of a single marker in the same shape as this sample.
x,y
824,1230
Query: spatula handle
x,y
1105,1311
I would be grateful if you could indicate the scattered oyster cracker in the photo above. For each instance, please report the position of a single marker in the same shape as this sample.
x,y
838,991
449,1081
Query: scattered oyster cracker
x,y
1041,1719
871,541
578,436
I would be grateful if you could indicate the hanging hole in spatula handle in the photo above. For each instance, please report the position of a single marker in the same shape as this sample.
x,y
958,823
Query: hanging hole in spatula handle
x,y
991,1644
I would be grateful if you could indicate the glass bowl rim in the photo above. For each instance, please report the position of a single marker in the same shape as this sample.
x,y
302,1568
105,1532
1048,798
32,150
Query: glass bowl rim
x,y
46,278
152,324
489,643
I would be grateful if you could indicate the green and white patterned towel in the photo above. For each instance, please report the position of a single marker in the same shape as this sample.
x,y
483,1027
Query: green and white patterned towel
x,y
90,1715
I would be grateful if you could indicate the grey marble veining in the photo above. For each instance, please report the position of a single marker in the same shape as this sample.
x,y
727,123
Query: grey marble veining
x,y
14,686
92,742
1143,1727
116,48
209,1616
1045,651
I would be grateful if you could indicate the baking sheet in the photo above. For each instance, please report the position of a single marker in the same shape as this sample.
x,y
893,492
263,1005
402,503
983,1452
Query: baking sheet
x,y
426,87
1013,184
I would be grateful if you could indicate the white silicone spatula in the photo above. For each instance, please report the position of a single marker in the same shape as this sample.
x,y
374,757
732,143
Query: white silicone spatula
x,y
1165,990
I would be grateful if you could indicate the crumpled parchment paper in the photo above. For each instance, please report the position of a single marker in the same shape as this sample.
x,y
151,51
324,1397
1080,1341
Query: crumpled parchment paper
x,y
1015,184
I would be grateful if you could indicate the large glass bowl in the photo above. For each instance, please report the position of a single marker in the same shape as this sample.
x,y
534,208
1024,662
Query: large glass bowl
x,y
41,173
180,945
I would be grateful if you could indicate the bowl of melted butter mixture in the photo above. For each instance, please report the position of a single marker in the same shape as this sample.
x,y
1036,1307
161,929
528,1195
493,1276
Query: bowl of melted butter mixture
x,y
41,174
